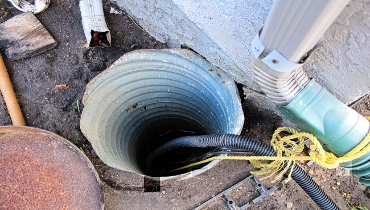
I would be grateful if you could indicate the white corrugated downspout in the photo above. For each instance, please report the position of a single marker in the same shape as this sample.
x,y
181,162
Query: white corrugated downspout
x,y
94,25
292,30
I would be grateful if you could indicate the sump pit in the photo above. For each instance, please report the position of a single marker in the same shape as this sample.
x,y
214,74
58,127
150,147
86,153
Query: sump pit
x,y
148,97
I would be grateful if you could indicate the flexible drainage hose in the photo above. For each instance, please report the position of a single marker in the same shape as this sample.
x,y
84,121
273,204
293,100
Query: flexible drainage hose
x,y
257,147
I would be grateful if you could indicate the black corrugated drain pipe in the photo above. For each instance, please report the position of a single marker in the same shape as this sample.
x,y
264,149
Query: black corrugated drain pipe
x,y
251,145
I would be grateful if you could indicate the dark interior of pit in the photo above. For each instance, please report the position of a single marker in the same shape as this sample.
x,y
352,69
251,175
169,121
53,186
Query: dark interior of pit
x,y
161,131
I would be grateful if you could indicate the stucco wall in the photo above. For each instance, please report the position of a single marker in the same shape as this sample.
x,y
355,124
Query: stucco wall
x,y
342,64
222,33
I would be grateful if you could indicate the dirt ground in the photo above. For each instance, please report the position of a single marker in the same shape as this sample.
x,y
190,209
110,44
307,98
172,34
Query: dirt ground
x,y
73,64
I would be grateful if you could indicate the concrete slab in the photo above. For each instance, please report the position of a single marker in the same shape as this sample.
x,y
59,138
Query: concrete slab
x,y
222,31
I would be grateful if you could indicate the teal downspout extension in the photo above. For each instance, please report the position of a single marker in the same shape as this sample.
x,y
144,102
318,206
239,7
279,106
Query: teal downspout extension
x,y
338,127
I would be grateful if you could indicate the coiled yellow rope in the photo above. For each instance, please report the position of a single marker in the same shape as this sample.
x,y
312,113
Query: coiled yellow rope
x,y
288,148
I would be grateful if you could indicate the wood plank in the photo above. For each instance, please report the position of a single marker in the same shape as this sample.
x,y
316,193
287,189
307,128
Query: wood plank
x,y
24,36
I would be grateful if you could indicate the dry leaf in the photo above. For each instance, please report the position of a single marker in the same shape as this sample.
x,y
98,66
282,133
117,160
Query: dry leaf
x,y
57,88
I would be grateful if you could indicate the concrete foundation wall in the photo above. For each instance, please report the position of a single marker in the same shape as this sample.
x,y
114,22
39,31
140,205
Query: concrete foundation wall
x,y
222,31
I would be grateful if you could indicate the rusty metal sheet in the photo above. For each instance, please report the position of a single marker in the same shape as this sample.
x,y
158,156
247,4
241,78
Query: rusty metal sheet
x,y
41,170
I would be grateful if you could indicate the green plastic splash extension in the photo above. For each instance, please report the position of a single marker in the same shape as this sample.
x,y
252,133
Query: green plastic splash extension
x,y
338,127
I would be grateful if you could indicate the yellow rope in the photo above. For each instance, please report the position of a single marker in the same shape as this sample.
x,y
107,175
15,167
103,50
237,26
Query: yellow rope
x,y
287,151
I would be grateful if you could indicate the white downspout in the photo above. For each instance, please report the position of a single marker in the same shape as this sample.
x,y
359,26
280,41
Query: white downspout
x,y
292,29
94,25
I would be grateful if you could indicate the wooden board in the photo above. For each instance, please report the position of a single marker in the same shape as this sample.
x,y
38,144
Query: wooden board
x,y
24,36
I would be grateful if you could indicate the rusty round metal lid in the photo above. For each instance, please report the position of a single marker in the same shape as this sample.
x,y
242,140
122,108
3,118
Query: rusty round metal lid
x,y
41,170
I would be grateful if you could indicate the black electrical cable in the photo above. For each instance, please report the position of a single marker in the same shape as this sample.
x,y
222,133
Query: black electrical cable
x,y
251,145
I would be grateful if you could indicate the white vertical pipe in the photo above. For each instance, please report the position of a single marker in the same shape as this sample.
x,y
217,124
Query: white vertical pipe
x,y
293,27
93,18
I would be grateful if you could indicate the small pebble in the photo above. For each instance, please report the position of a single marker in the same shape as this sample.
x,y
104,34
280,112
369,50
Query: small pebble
x,y
289,204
